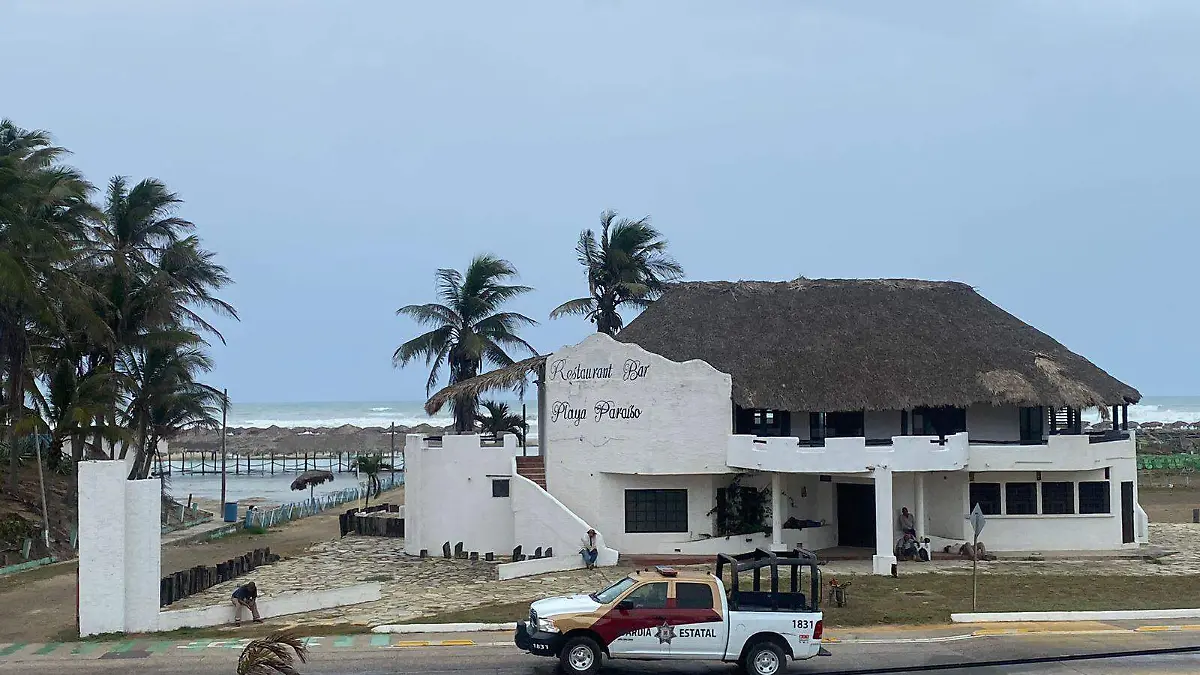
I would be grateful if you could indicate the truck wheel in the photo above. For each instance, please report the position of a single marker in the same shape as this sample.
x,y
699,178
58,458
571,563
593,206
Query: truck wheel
x,y
764,658
580,656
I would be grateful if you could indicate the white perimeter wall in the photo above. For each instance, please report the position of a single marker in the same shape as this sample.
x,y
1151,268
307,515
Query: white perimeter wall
x,y
673,434
448,495
143,554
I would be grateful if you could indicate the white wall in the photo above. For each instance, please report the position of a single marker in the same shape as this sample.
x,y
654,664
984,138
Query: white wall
x,y
993,423
846,455
946,504
271,606
448,494
676,419
540,520
1059,453
102,552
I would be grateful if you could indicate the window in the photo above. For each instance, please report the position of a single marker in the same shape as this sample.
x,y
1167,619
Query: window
x,y
1020,499
614,591
693,596
987,496
1058,498
761,422
1094,496
499,487
656,511
1033,422
649,596
844,424
944,421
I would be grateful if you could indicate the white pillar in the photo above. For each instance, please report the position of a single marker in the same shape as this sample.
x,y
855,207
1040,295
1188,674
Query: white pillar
x,y
143,554
919,508
102,547
884,545
414,497
777,513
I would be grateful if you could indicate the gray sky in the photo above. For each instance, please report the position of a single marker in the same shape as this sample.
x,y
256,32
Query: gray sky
x,y
336,153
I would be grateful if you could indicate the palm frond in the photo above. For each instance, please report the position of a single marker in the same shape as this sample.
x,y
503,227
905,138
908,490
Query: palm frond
x,y
275,654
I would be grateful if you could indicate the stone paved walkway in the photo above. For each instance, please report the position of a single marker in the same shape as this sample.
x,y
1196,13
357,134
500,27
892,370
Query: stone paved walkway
x,y
413,587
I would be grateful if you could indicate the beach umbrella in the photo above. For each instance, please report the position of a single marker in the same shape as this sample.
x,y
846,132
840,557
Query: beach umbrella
x,y
311,479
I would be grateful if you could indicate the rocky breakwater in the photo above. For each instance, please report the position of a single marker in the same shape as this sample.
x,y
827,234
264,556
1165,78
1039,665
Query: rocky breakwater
x,y
1161,438
298,440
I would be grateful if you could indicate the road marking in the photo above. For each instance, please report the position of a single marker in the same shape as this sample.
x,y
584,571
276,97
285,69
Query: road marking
x,y
84,648
159,647
381,640
121,648
12,649
412,643
457,643
48,648
344,641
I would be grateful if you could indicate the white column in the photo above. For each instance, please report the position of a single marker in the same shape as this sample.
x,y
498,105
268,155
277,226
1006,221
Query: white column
x,y
414,459
777,513
102,547
919,508
143,553
884,545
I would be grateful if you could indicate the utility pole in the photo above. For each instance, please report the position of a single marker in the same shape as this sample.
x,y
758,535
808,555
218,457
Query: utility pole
x,y
224,415
393,447
37,443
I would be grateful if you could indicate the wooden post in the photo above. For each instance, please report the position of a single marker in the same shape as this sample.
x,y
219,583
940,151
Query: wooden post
x,y
224,417
393,441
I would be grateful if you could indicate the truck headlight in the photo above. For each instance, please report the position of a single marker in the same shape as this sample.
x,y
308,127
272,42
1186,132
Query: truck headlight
x,y
546,625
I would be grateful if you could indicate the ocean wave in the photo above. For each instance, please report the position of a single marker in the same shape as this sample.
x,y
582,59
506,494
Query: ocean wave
x,y
334,422
381,409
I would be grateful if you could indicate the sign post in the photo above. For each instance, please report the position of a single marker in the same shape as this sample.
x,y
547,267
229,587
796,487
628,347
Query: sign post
x,y
977,523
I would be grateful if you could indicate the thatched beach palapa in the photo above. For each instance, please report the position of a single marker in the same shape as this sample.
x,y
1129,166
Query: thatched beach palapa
x,y
868,344
312,478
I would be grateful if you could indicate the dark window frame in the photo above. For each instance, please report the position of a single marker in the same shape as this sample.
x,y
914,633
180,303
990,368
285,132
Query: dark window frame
x,y
1033,424
496,487
1054,501
992,505
656,511
1027,503
1088,501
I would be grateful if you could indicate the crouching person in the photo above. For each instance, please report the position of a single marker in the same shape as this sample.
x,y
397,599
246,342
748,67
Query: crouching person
x,y
588,549
246,596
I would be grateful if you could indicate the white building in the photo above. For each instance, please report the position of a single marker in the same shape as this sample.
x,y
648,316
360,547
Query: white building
x,y
730,416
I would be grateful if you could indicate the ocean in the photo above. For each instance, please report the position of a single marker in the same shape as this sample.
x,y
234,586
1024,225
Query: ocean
x,y
1164,409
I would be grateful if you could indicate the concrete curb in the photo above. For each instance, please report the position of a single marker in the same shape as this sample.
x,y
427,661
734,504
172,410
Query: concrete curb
x,y
1054,617
431,628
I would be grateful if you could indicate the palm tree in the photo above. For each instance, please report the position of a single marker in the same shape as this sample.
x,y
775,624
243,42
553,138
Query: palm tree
x,y
44,212
371,466
273,655
628,265
468,328
495,419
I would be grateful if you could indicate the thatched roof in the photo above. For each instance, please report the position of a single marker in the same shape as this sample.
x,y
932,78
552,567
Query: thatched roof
x,y
311,478
880,344
509,377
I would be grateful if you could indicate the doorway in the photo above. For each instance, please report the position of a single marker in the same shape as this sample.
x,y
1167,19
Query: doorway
x,y
856,515
1127,512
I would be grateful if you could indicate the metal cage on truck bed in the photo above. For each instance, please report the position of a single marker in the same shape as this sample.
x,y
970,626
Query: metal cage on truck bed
x,y
789,598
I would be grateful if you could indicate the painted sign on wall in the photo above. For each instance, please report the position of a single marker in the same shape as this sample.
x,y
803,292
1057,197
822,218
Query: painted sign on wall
x,y
562,411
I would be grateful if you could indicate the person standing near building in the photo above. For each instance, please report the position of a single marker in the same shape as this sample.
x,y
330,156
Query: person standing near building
x,y
246,596
588,549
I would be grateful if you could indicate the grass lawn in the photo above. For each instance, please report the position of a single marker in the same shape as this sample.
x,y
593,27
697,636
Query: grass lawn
x,y
931,598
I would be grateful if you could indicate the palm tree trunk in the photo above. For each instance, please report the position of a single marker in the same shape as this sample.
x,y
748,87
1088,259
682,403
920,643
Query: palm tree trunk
x,y
16,406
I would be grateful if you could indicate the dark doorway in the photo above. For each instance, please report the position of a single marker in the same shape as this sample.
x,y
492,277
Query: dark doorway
x,y
1127,512
856,515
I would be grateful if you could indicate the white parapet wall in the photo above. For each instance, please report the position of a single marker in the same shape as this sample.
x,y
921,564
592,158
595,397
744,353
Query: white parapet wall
x,y
271,606
847,455
102,550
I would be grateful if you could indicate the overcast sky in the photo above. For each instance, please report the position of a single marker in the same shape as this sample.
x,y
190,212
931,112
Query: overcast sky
x,y
336,153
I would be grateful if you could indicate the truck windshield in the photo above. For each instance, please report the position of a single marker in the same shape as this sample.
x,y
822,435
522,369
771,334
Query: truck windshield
x,y
613,592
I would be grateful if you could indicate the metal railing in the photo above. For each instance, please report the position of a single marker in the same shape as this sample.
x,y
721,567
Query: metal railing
x,y
266,518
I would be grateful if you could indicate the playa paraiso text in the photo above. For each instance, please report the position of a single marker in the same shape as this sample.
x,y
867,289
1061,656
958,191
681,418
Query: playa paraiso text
x,y
631,370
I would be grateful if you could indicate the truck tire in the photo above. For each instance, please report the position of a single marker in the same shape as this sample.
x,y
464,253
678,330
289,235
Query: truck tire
x,y
764,658
580,656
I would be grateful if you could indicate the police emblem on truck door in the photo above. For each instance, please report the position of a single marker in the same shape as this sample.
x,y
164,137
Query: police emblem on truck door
x,y
666,633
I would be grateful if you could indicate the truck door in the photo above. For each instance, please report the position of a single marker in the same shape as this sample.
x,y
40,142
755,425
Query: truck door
x,y
700,628
637,626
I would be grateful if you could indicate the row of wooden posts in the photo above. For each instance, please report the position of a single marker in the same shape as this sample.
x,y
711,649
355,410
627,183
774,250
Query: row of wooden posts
x,y
180,585
363,522
459,553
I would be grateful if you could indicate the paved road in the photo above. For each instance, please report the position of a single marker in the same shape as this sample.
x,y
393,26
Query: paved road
x,y
501,658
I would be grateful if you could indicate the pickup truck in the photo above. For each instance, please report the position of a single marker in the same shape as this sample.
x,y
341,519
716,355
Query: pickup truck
x,y
666,613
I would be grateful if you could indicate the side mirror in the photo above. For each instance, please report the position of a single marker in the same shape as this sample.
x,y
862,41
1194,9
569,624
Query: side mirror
x,y
625,605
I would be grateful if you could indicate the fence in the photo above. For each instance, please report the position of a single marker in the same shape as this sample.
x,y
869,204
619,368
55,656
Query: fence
x,y
1169,462
294,511
180,585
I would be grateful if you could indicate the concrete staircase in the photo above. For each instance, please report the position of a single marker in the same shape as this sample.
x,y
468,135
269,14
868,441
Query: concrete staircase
x,y
534,469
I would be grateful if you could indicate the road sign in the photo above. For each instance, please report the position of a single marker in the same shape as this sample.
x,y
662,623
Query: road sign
x,y
977,520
